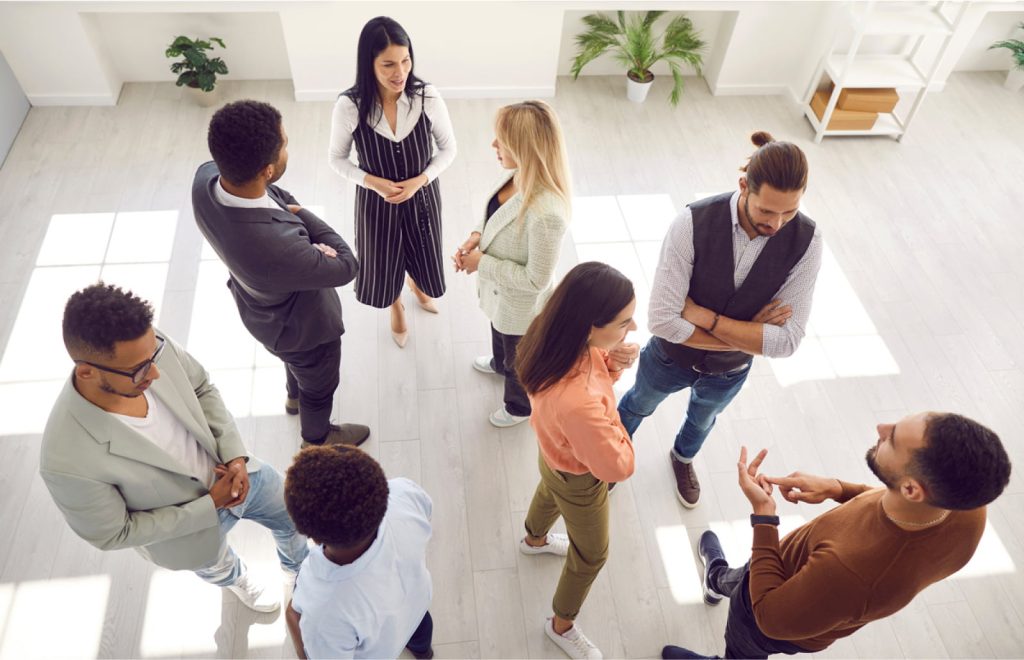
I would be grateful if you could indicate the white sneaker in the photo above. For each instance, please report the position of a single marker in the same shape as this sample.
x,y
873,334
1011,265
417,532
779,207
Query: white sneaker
x,y
289,583
254,596
483,364
573,642
558,544
502,419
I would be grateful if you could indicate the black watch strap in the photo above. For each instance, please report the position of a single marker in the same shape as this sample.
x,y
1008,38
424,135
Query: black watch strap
x,y
763,520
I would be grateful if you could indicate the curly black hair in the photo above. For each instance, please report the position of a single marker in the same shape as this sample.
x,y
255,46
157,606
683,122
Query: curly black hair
x,y
244,137
336,494
963,465
100,315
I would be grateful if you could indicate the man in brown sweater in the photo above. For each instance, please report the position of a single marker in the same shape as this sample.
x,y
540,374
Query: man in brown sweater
x,y
867,558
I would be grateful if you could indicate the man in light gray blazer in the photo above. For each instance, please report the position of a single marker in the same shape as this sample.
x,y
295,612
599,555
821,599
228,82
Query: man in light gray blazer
x,y
141,452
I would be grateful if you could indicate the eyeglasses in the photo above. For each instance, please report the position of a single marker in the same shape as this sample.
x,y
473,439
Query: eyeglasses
x,y
140,372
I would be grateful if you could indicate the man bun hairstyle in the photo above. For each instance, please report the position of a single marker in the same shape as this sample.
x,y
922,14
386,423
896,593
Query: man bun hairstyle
x,y
101,315
244,137
781,165
336,494
963,465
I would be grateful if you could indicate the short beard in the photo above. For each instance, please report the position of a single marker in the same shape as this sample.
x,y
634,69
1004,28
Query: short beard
x,y
876,469
110,390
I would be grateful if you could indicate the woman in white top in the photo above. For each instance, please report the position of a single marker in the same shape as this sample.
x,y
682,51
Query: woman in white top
x,y
515,247
393,119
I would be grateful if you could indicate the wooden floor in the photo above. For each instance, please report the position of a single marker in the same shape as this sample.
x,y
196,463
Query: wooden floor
x,y
920,305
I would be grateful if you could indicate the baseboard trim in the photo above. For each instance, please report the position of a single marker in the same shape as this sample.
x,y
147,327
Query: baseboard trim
x,y
39,100
302,95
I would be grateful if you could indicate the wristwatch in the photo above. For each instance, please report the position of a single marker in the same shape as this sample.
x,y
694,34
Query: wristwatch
x,y
763,520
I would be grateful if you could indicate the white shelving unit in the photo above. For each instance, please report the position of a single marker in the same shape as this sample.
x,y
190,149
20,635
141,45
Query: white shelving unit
x,y
916,22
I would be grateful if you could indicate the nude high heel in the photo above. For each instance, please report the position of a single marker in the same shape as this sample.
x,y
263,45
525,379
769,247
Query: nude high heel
x,y
401,338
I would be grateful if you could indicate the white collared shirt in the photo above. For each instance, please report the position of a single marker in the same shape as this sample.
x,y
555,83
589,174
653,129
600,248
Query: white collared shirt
x,y
371,607
345,119
675,268
227,199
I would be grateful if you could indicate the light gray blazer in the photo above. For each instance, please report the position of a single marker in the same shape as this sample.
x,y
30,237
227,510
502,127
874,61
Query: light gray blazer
x,y
118,490
514,278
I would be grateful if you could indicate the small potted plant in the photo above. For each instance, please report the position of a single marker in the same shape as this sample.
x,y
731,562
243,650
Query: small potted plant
x,y
632,42
1015,77
197,73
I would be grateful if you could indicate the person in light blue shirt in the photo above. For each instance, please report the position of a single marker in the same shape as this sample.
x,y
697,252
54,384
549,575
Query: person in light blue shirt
x,y
364,591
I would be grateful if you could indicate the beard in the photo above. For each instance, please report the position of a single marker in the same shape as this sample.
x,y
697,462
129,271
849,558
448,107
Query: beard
x,y
887,479
109,389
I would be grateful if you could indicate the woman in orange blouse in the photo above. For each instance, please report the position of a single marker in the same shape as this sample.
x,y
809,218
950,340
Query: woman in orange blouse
x,y
567,361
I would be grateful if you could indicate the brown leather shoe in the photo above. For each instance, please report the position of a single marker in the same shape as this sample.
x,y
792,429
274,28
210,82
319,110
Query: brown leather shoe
x,y
343,434
687,485
291,406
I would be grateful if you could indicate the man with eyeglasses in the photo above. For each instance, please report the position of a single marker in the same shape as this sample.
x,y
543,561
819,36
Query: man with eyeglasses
x,y
141,452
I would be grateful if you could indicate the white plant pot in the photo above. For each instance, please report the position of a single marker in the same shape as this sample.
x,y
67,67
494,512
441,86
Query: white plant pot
x,y
1014,79
201,98
637,91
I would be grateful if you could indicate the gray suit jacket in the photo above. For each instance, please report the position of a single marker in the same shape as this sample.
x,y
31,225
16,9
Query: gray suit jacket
x,y
283,286
118,490
516,272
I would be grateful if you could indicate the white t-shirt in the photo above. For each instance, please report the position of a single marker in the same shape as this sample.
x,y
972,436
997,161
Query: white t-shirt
x,y
166,431
371,607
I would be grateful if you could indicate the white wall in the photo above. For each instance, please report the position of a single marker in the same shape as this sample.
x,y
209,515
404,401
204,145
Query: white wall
x,y
484,48
706,24
13,108
995,27
497,49
134,43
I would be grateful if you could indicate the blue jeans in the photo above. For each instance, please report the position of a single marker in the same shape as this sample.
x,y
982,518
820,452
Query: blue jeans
x,y
658,376
264,504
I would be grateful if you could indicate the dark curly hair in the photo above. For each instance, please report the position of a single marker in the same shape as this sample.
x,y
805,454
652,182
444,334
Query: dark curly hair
x,y
336,494
963,465
101,315
244,137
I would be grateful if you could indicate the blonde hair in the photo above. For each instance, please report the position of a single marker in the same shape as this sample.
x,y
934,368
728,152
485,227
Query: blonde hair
x,y
530,132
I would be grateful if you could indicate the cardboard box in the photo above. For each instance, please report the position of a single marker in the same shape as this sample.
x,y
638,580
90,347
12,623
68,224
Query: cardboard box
x,y
842,120
868,100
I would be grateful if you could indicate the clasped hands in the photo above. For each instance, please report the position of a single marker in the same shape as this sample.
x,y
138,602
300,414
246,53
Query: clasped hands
x,y
796,487
467,256
231,484
395,192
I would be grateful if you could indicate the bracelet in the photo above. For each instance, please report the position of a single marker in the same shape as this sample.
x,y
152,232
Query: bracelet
x,y
714,323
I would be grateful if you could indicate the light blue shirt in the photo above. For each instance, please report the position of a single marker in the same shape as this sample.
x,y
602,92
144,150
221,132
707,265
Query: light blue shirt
x,y
371,607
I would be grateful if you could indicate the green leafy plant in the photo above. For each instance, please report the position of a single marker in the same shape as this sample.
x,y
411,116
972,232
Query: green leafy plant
x,y
632,42
196,70
1015,46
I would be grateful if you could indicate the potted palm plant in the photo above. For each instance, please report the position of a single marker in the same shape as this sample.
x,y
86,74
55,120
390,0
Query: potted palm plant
x,y
197,72
1015,77
632,42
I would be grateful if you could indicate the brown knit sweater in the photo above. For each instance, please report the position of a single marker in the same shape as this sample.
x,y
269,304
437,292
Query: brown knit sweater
x,y
850,566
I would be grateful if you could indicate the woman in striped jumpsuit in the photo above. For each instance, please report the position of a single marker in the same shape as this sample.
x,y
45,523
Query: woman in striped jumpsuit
x,y
393,119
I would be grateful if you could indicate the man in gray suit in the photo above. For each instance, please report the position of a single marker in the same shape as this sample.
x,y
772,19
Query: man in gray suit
x,y
285,262
140,451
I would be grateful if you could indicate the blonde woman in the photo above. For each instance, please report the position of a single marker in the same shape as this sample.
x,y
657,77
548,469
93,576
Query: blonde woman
x,y
515,248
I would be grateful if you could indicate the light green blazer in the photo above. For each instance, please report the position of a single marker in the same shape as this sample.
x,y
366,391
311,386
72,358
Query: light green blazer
x,y
118,490
514,278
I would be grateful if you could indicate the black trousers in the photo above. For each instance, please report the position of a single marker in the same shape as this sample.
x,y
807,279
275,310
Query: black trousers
x,y
312,377
420,641
503,347
743,639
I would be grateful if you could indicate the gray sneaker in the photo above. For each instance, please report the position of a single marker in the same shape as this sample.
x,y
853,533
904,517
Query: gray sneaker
x,y
343,434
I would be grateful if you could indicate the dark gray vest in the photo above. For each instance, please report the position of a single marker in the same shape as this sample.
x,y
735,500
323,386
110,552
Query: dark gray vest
x,y
711,284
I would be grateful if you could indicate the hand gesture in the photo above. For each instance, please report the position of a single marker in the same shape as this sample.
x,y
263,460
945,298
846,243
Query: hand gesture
x,y
623,355
294,208
406,189
756,487
774,313
383,187
467,246
808,488
327,250
471,261
231,486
